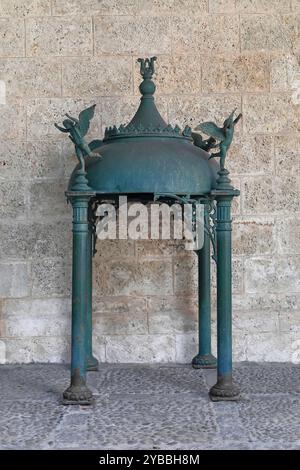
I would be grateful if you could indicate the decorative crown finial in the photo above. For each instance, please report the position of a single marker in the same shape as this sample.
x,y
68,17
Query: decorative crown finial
x,y
147,67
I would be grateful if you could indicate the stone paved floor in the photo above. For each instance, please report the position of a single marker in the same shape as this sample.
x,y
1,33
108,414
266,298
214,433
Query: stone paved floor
x,y
150,407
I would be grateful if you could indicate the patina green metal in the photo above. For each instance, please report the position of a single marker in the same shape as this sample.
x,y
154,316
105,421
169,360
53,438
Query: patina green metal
x,y
77,130
149,159
204,144
91,361
78,392
223,134
148,155
204,359
210,226
224,389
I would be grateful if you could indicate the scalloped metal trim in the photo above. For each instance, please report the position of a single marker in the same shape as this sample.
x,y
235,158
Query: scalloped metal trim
x,y
132,131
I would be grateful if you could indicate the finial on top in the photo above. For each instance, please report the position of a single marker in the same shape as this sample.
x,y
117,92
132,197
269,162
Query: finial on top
x,y
147,67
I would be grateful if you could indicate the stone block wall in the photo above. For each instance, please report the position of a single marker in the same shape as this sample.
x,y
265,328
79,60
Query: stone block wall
x,y
213,55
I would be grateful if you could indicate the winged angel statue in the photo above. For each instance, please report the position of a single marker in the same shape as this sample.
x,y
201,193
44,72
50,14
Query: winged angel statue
x,y
77,129
222,134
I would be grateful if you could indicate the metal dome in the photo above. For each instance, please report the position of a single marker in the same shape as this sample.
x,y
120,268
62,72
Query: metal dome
x,y
148,155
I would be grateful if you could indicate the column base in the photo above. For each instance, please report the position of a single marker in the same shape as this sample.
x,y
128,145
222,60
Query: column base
x,y
78,395
224,390
204,361
92,364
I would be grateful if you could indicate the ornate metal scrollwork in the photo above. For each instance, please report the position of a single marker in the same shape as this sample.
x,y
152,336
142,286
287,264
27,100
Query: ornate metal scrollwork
x,y
210,219
209,216
185,199
93,219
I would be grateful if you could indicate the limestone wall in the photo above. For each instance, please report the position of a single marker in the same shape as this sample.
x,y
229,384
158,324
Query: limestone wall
x,y
60,56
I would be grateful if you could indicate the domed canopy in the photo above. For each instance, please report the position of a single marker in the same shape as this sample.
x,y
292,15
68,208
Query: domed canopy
x,y
149,156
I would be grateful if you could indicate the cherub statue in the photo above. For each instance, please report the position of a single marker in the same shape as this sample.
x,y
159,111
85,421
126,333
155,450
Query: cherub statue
x,y
222,134
77,129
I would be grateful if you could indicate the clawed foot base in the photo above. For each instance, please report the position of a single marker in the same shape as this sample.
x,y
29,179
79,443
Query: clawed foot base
x,y
92,364
207,361
77,395
224,392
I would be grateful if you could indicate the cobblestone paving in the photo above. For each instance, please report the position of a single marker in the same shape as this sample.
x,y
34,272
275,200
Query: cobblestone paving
x,y
150,407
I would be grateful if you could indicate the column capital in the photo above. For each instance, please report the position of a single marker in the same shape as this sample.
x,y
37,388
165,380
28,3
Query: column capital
x,y
74,196
80,193
225,193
